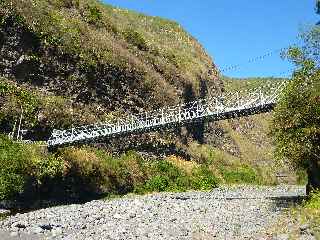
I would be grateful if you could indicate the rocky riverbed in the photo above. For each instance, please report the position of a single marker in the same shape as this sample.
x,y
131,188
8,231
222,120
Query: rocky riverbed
x,y
223,213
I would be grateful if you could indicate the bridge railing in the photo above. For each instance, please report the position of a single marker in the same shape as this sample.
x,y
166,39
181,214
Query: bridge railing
x,y
212,107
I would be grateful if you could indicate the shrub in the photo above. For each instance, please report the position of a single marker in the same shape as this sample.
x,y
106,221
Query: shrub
x,y
84,172
165,167
242,174
56,112
135,38
123,173
297,114
314,201
14,162
94,15
158,183
203,154
47,169
66,3
13,100
164,176
24,167
204,179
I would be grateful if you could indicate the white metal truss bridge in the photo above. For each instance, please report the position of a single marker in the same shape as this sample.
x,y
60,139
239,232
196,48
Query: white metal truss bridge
x,y
225,106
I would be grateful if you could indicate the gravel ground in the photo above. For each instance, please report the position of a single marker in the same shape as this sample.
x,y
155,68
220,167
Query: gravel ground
x,y
223,213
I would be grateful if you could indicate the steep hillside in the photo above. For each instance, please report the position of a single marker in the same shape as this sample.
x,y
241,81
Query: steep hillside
x,y
248,139
238,84
67,63
110,61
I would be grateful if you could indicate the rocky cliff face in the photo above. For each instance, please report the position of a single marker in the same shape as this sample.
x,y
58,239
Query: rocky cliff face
x,y
140,73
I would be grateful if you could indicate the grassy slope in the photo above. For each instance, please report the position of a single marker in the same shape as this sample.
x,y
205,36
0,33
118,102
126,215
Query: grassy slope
x,y
246,143
250,135
238,84
158,49
113,60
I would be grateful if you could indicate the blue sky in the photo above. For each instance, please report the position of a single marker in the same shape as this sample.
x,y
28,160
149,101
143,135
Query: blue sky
x,y
235,31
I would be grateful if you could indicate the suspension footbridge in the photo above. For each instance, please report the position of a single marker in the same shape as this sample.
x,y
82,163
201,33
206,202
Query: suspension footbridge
x,y
214,108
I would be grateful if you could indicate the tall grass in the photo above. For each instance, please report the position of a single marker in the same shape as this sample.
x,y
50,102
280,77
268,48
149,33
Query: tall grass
x,y
79,173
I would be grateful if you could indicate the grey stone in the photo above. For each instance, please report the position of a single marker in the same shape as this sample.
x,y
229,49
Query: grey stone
x,y
37,230
222,212
4,212
56,231
19,225
14,234
117,216
283,237
304,227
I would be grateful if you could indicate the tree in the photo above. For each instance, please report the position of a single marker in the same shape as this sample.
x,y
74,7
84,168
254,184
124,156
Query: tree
x,y
297,116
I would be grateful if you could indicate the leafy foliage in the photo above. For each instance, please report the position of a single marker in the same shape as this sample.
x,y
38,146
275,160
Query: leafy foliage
x,y
14,162
15,100
167,177
41,111
314,201
83,168
243,174
204,178
297,116
229,169
94,15
22,167
83,172
135,38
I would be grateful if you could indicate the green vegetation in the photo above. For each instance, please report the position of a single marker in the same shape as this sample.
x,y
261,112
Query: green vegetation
x,y
41,111
79,172
143,48
28,171
310,213
204,178
253,137
240,84
101,35
306,214
86,171
229,169
296,132
297,116
136,39
314,202
296,121
24,166
243,174
13,99
158,56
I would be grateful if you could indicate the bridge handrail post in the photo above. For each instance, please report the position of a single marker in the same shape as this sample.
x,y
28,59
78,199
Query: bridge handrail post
x,y
238,99
162,116
179,114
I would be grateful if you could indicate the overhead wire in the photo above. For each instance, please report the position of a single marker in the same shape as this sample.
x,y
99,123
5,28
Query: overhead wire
x,y
255,59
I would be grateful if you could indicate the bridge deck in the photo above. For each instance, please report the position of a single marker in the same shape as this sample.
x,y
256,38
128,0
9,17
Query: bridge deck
x,y
228,105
